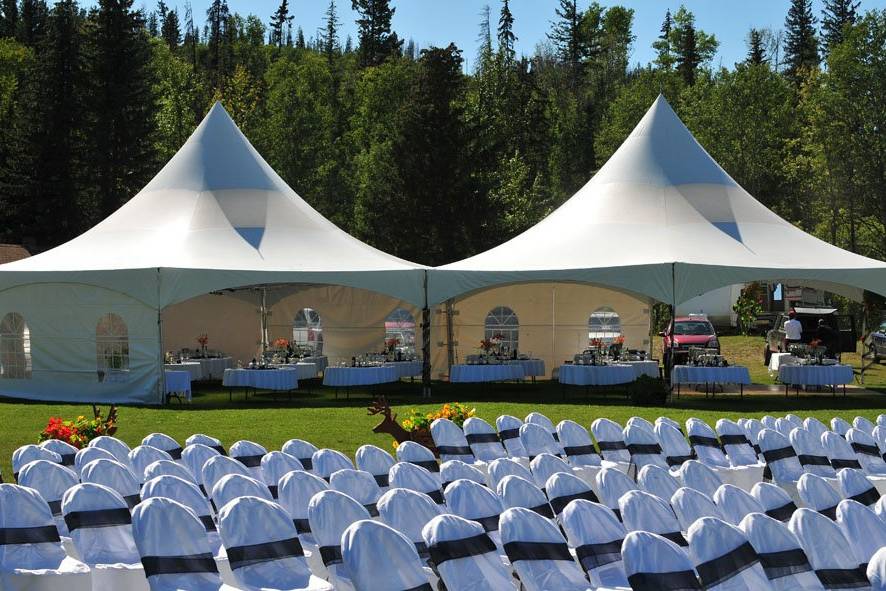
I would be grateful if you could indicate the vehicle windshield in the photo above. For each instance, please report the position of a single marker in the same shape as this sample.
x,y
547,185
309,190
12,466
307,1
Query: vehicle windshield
x,y
883,327
693,328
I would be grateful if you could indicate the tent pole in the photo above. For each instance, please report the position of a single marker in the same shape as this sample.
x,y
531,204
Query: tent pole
x,y
161,382
673,321
426,344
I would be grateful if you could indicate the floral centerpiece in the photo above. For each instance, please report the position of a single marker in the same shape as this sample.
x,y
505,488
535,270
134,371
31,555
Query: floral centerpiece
x,y
202,340
487,345
281,343
391,344
80,431
416,426
596,344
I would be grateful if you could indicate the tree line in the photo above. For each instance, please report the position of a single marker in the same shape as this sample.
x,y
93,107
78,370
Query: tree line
x,y
404,148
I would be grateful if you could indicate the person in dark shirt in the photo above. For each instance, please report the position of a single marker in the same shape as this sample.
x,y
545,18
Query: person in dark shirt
x,y
827,336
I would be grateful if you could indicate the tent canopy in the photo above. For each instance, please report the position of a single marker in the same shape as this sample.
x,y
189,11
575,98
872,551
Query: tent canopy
x,y
216,216
661,218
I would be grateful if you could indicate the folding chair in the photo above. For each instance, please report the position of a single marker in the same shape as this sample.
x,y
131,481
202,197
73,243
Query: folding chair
x,y
545,465
218,467
464,555
301,450
781,460
536,441
100,525
691,505
470,500
538,553
864,530
114,475
483,440
641,511
610,441
700,477
165,443
839,451
811,454
359,485
658,481
536,418
89,454
502,467
418,455
776,503
879,435
269,556
768,422
370,547
235,486
579,449
817,494
330,513
640,422
274,466
208,441
377,462
194,456
414,477
840,426
829,553
29,453
782,557
795,420
877,570
596,534
64,449
705,444
119,449
644,447
863,424
611,485
752,428
51,480
31,553
249,454
509,434
169,468
407,511
816,427
856,486
517,492
784,427
735,503
867,452
674,446
143,456
562,488
736,444
186,493
668,421
724,558
453,470
653,562
295,491
450,441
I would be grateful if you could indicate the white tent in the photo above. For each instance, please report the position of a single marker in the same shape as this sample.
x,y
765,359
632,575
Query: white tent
x,y
663,220
215,217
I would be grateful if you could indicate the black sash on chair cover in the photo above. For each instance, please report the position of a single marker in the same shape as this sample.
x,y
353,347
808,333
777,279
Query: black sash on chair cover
x,y
560,503
592,556
611,445
179,565
509,434
437,496
734,440
455,549
240,556
713,572
757,449
617,513
422,549
68,459
330,555
580,450
556,436
373,510
489,523
784,563
175,453
381,480
454,450
773,455
810,460
481,438
302,526
132,500
29,535
678,460
429,465
544,510
868,497
868,450
307,463
101,518
422,587
537,551
676,537
829,512
838,463
220,449
678,581
839,578
208,522
249,461
704,441
202,489
55,507
644,448
782,513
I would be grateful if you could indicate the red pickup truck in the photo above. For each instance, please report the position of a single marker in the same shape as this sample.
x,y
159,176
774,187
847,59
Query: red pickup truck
x,y
690,331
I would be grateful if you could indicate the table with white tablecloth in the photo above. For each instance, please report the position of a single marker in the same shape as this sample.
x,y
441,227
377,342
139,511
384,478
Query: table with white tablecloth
x,y
815,375
596,375
261,379
779,359
710,376
305,371
643,368
347,377
321,361
177,383
532,368
213,368
485,373
192,367
406,369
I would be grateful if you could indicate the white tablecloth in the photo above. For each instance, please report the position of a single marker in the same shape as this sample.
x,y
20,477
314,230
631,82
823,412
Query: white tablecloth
x,y
690,374
261,379
643,368
485,373
341,377
321,361
531,367
597,375
192,367
214,368
815,375
406,369
177,382
779,359
305,371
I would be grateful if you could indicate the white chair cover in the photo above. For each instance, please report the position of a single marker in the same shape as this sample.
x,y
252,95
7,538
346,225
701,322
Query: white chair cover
x,y
784,426
776,503
483,440
700,477
691,505
811,453
657,481
656,563
610,441
208,441
377,462
783,558
169,468
578,446
879,435
89,454
186,493
668,421
453,470
119,449
263,547
28,453
301,450
502,467
414,477
828,550
194,456
164,442
419,455
563,488
114,475
470,500
274,466
51,480
856,486
794,419
407,512
517,492
143,456
644,447
863,424
359,485
877,570
735,503
295,491
781,457
596,534
538,553
752,428
839,451
174,548
705,443
330,513
249,454
216,468
768,422
235,486
537,418
880,509
611,485
816,427
537,440
641,511
509,434
640,422
840,426
100,526
866,451
724,558
450,441
735,443
369,548
464,555
31,553
64,449
861,526
545,465
674,446
817,494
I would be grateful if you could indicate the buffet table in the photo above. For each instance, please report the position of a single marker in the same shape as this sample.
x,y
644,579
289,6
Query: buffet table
x,y
485,373
348,377
177,383
532,368
710,376
779,359
304,371
278,380
406,369
321,361
597,375
815,375
213,368
644,368
191,367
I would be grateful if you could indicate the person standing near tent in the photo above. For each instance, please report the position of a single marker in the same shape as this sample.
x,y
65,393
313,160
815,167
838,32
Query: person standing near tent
x,y
793,330
828,337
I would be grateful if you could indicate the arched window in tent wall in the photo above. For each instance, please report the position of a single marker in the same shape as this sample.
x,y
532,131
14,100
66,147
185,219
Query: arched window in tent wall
x,y
400,325
604,324
503,322
15,347
111,348
307,331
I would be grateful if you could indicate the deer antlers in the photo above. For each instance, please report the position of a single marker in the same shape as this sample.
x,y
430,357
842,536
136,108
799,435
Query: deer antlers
x,y
380,406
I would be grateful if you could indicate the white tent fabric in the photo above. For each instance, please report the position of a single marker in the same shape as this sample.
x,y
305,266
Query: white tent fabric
x,y
692,229
215,217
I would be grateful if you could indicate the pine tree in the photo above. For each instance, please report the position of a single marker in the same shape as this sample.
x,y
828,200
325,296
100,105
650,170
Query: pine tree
x,y
192,36
376,40
349,44
169,30
31,21
665,58
801,43
217,63
567,36
688,57
330,35
484,38
300,39
153,24
756,48
9,22
278,25
836,16
506,37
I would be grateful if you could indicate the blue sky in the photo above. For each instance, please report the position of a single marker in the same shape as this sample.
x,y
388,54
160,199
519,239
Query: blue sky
x,y
437,22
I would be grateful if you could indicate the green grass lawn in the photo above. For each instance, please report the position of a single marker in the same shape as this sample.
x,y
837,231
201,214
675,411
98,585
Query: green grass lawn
x,y
345,424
